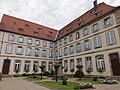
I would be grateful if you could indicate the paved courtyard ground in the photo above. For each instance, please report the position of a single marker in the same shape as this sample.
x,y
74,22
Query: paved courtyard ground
x,y
20,84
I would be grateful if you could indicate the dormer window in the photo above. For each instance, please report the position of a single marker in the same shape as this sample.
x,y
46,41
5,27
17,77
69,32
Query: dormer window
x,y
49,37
98,14
50,32
36,33
27,26
69,29
21,29
39,29
14,23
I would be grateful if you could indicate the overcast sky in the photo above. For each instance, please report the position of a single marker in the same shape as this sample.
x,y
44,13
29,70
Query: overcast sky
x,y
52,13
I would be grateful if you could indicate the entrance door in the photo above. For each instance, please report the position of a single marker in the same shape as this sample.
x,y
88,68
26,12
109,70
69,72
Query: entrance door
x,y
115,63
6,66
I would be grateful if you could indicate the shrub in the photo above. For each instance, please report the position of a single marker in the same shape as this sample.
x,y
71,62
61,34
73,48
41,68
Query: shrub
x,y
108,81
84,86
95,78
79,74
64,82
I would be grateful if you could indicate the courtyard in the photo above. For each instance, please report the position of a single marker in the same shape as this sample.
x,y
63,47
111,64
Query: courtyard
x,y
18,83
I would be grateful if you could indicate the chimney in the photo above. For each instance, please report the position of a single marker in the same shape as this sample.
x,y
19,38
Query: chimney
x,y
95,4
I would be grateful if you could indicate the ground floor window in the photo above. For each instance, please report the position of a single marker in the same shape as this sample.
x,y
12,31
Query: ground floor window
x,y
45,64
50,66
35,66
72,65
100,63
17,65
65,65
27,66
88,61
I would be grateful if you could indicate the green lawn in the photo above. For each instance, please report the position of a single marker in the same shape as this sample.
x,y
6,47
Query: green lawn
x,y
58,85
89,80
32,79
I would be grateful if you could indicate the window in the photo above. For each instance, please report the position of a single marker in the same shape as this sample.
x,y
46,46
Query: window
x,y
51,45
97,42
36,33
65,65
60,52
37,42
11,37
51,54
35,66
9,48
65,40
108,21
20,39
95,27
60,42
21,30
44,53
56,53
56,44
29,41
50,66
27,26
71,38
87,44
72,65
17,65
79,61
44,44
19,50
110,37
71,49
78,48
36,52
88,64
44,64
65,51
28,51
85,32
27,66
77,35
100,63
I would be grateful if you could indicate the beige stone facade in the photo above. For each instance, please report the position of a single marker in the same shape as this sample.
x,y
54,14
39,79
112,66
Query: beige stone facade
x,y
95,46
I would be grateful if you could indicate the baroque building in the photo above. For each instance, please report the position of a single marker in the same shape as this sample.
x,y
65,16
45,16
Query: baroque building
x,y
91,40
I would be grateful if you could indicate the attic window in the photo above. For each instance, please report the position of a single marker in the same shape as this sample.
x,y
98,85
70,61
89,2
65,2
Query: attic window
x,y
21,29
36,33
27,26
40,29
81,23
69,29
14,23
50,32
50,37
98,14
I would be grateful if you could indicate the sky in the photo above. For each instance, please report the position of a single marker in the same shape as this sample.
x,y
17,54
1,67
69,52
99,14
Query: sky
x,y
51,13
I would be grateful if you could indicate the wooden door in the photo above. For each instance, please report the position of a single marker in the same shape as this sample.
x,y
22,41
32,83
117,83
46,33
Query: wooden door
x,y
115,63
6,66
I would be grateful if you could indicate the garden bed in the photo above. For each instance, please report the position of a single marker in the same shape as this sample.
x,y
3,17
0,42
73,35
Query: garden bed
x,y
58,85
